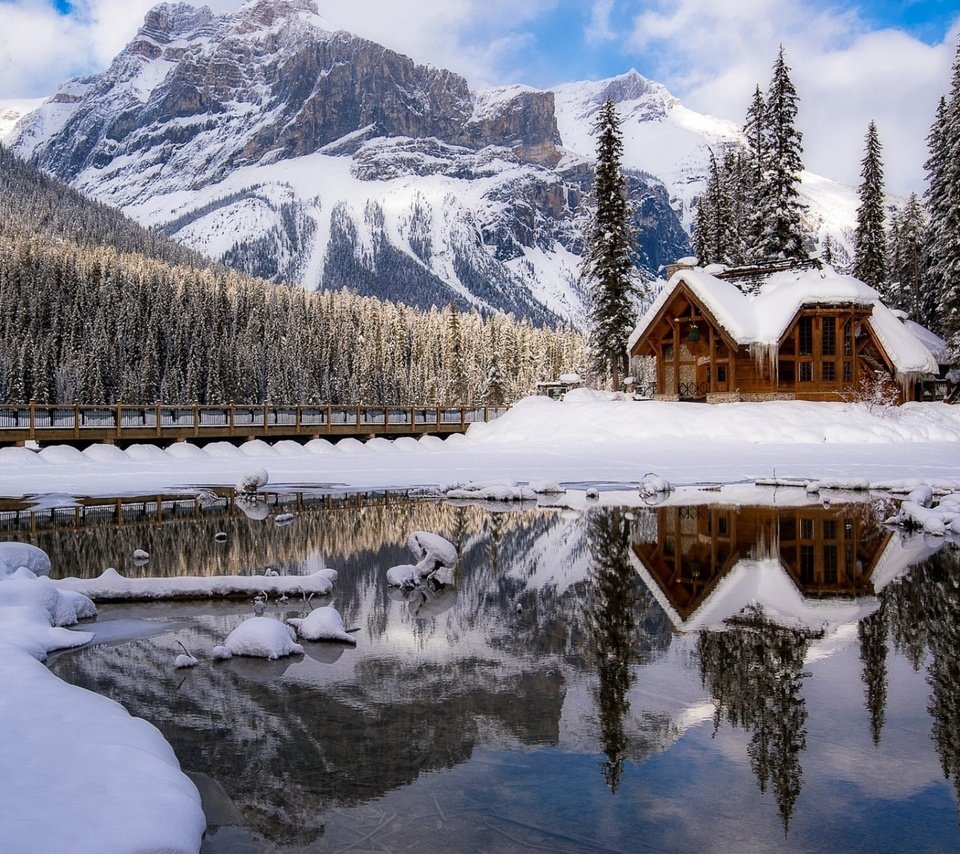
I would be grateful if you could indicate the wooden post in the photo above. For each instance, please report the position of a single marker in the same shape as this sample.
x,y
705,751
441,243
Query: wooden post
x,y
118,418
463,419
438,417
298,418
413,419
159,428
358,415
33,418
486,416
329,416
76,420
232,417
265,409
196,418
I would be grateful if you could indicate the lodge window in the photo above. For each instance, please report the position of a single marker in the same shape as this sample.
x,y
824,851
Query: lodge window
x,y
721,373
829,372
828,336
806,564
786,372
847,340
805,372
806,529
788,529
722,526
830,564
848,372
668,352
829,529
805,332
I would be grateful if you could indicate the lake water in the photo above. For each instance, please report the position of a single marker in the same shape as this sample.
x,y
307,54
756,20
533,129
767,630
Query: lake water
x,y
593,681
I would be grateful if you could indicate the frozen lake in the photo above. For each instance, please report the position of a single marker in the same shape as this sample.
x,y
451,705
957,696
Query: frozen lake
x,y
591,680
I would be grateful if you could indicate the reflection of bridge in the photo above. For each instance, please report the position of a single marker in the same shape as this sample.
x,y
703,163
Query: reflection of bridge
x,y
126,423
19,516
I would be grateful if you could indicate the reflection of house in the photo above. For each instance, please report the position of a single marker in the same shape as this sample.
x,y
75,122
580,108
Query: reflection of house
x,y
808,553
809,334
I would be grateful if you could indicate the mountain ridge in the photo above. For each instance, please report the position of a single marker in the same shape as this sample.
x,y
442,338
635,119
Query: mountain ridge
x,y
299,152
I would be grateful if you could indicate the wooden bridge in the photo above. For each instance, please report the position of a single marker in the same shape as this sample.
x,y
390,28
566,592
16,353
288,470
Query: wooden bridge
x,y
78,424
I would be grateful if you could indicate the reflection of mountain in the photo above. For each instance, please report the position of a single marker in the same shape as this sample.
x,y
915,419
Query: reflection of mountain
x,y
809,565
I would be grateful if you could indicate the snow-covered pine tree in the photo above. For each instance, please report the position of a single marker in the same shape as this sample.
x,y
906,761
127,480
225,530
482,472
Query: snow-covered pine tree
x,y
908,229
778,197
754,176
870,242
826,253
943,201
607,265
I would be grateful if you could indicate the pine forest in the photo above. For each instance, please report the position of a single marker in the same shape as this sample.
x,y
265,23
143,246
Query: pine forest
x,y
96,309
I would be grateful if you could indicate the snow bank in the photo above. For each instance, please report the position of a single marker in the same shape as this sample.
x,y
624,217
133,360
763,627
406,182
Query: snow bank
x,y
324,623
113,587
261,637
112,779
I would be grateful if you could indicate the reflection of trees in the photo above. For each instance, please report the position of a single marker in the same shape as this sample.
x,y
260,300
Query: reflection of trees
x,y
624,622
924,609
873,653
183,542
754,671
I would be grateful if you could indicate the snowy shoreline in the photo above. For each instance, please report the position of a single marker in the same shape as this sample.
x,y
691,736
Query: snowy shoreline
x,y
584,439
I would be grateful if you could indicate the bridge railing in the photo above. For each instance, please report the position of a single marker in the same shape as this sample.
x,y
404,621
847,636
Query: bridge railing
x,y
39,421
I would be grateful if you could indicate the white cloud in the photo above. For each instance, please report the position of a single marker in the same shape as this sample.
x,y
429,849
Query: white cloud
x,y
600,29
710,54
713,55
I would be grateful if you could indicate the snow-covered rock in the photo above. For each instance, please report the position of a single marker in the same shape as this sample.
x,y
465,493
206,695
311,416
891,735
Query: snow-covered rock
x,y
427,546
252,481
653,485
405,576
185,660
262,637
16,555
324,623
140,556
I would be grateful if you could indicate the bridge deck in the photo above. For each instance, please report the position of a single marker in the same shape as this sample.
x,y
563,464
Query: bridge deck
x,y
159,423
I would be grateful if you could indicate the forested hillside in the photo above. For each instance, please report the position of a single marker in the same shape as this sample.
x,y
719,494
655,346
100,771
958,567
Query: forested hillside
x,y
38,204
94,308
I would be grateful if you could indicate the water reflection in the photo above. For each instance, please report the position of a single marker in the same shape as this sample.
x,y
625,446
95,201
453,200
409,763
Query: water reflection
x,y
611,635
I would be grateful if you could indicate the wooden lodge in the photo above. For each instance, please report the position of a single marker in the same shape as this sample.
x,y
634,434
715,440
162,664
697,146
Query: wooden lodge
x,y
777,332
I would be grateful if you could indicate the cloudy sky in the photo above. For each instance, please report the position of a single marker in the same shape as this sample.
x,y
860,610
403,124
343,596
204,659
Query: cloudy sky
x,y
851,60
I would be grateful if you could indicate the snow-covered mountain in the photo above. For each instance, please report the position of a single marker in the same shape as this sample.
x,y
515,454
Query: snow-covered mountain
x,y
273,141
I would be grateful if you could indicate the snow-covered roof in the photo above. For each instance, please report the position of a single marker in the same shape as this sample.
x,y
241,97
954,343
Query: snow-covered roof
x,y
763,318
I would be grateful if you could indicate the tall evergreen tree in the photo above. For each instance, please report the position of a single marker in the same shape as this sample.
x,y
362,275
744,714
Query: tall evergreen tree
x,y
755,130
943,200
907,256
778,197
870,256
608,261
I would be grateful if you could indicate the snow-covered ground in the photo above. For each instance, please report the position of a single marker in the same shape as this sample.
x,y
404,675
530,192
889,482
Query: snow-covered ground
x,y
584,439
